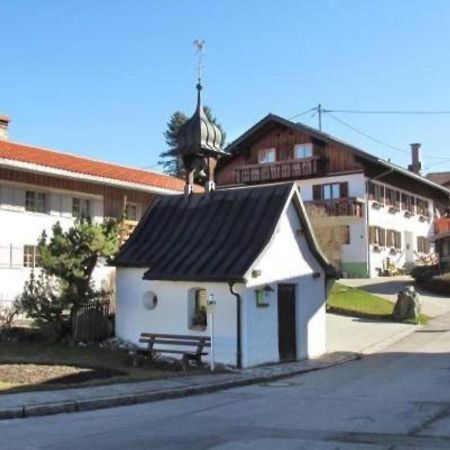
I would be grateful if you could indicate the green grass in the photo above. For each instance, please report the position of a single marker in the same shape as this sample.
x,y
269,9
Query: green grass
x,y
359,303
87,357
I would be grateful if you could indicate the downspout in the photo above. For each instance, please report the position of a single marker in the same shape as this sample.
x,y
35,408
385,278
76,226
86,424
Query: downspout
x,y
238,326
382,174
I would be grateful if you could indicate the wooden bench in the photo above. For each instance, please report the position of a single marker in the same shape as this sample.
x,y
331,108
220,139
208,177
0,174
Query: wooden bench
x,y
167,343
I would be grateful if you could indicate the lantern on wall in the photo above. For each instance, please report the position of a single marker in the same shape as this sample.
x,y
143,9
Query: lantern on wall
x,y
262,296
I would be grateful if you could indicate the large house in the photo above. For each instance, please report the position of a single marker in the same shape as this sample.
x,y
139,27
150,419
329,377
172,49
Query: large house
x,y
40,186
250,248
386,212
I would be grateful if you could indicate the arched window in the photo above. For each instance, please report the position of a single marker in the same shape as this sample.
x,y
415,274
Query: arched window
x,y
149,300
197,308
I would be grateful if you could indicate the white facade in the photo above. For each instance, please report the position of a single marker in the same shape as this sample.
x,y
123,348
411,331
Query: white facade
x,y
359,257
287,258
21,228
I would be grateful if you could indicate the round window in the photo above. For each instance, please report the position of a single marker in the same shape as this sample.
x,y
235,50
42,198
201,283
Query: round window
x,y
149,300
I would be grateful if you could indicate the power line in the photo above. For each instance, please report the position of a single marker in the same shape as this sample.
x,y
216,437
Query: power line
x,y
379,141
303,113
365,134
358,111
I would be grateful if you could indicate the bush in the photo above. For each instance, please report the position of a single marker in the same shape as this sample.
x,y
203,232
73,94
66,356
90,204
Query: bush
x,y
424,273
439,284
8,316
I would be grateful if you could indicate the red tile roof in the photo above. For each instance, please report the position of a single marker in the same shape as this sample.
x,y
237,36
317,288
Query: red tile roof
x,y
85,166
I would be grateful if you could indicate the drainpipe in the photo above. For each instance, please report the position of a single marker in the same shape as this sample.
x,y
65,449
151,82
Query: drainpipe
x,y
238,326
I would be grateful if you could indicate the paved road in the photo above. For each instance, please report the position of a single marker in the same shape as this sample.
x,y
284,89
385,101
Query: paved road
x,y
398,399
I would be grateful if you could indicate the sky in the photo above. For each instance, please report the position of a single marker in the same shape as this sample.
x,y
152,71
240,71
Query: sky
x,y
101,78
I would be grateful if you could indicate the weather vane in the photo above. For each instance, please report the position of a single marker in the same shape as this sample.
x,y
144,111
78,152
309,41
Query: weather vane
x,y
199,45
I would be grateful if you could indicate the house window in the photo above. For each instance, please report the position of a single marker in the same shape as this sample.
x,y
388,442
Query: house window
x,y
35,201
31,257
376,192
423,244
345,234
132,211
80,207
330,191
302,151
198,302
394,239
266,156
377,236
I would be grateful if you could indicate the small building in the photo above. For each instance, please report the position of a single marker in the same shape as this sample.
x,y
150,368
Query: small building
x,y
39,187
250,248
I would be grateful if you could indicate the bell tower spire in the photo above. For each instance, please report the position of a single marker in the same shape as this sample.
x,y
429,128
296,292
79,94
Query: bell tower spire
x,y
199,140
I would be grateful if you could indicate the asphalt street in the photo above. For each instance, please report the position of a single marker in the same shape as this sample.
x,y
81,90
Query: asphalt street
x,y
396,399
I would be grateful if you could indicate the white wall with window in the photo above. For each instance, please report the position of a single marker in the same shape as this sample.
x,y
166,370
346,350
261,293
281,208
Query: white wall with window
x,y
402,226
25,212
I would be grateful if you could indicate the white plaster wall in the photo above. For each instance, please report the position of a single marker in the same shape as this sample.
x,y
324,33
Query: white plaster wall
x,y
19,227
356,185
171,313
288,259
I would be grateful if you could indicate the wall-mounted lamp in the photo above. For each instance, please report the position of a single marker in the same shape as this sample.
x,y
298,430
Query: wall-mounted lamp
x,y
256,273
262,296
316,275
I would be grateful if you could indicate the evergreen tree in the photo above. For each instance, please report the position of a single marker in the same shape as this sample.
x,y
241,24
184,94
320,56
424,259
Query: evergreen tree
x,y
170,161
67,262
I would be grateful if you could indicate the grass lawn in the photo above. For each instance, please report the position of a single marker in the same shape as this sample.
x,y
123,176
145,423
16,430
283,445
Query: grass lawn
x,y
35,365
359,303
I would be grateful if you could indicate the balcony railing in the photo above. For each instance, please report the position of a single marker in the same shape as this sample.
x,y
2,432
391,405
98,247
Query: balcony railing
x,y
281,170
442,225
350,207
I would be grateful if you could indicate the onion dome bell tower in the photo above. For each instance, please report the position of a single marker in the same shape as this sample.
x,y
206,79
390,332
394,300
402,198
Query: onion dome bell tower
x,y
199,144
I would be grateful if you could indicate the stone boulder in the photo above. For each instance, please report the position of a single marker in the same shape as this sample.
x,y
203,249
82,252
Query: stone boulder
x,y
408,304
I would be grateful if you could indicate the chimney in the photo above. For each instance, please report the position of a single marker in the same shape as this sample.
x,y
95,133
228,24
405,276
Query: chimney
x,y
4,122
416,165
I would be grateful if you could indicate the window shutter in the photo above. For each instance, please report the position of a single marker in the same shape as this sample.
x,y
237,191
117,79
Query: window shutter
x,y
389,242
317,192
372,234
371,191
344,190
382,233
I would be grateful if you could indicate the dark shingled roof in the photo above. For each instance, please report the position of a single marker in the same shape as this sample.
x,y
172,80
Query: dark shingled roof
x,y
209,237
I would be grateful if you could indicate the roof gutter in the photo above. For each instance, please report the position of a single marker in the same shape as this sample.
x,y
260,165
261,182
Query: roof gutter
x,y
238,325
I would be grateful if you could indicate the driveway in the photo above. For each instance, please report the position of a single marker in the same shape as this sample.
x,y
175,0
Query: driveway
x,y
397,399
368,336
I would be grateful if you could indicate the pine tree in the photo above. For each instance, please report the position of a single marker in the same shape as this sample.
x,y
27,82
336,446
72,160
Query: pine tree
x,y
170,161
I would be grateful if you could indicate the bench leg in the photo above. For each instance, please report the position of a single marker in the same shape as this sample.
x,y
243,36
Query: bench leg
x,y
185,362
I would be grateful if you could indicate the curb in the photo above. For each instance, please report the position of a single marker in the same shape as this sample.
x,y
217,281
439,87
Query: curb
x,y
47,409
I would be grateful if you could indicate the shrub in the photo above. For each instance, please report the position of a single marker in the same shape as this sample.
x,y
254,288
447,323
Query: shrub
x,y
424,273
8,316
439,284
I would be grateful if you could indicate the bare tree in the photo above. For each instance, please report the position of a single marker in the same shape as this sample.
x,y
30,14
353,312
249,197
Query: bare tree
x,y
330,236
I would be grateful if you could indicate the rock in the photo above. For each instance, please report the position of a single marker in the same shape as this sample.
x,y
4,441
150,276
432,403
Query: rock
x,y
408,304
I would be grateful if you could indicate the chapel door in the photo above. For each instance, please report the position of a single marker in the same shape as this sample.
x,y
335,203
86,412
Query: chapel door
x,y
286,322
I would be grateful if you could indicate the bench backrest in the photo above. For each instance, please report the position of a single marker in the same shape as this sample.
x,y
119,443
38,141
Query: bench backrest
x,y
199,342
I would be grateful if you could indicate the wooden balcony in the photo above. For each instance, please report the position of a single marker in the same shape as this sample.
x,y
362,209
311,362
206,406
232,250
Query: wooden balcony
x,y
342,207
442,226
277,171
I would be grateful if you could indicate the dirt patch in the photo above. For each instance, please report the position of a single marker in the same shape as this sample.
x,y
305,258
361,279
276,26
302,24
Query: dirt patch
x,y
32,374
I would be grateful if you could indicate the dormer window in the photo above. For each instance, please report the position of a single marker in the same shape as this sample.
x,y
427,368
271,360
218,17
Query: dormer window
x,y
302,151
266,156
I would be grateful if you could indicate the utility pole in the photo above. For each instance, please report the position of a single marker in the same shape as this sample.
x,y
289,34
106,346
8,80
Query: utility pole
x,y
319,111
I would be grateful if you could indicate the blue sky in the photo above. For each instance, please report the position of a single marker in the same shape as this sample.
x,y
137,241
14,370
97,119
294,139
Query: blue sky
x,y
101,78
